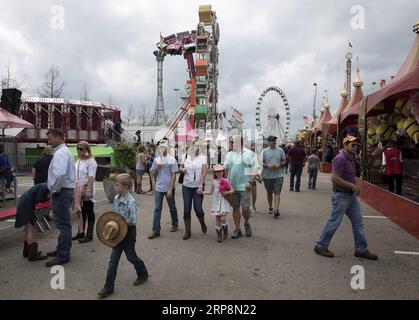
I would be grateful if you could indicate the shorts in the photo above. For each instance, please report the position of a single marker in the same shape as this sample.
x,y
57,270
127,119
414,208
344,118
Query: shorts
x,y
274,185
140,172
241,199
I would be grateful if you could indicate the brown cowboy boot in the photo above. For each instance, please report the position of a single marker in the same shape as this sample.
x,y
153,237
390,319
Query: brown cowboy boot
x,y
33,254
187,229
225,232
203,225
219,235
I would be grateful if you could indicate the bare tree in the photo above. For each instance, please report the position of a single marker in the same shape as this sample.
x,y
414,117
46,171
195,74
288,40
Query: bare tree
x,y
52,87
8,80
85,93
144,116
130,115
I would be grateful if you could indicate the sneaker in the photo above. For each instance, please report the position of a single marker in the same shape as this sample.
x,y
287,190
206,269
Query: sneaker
x,y
324,252
247,229
271,211
366,255
236,234
277,214
140,280
105,292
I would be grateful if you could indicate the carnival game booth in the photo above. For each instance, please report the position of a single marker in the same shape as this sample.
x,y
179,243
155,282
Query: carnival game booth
x,y
330,130
318,139
392,114
80,120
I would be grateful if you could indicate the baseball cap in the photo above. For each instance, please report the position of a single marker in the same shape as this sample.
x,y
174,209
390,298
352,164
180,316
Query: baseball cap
x,y
350,139
272,138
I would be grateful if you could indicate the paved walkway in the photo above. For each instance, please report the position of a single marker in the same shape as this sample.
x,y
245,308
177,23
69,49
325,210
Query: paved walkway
x,y
277,262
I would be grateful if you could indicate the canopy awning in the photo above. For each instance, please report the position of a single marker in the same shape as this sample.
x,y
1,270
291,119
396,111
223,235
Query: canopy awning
x,y
97,151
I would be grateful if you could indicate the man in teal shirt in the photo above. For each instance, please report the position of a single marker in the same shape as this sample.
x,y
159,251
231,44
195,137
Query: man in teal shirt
x,y
241,166
273,173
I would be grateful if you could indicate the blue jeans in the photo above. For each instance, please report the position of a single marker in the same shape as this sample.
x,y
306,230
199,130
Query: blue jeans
x,y
61,203
128,246
296,171
158,203
344,203
8,177
312,177
189,195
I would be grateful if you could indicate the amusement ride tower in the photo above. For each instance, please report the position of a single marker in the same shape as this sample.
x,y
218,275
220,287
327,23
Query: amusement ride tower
x,y
159,113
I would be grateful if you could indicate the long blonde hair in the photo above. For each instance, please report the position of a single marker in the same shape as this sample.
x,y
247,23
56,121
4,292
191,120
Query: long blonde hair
x,y
86,146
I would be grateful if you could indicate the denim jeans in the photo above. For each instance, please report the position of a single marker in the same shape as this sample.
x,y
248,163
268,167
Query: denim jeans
x,y
128,246
8,177
312,177
61,203
344,203
158,203
189,195
296,171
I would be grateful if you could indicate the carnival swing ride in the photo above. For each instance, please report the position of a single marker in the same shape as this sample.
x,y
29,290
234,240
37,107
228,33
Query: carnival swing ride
x,y
199,108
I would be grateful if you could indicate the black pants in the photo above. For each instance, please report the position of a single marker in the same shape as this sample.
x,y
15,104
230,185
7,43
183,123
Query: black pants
x,y
88,213
128,246
399,180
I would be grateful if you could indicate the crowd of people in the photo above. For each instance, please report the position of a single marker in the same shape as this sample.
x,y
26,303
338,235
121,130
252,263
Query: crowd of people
x,y
70,185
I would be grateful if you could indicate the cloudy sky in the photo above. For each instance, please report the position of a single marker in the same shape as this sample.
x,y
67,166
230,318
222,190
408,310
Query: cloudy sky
x,y
108,44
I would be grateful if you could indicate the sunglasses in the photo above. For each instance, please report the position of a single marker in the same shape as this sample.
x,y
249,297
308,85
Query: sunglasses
x,y
80,149
355,145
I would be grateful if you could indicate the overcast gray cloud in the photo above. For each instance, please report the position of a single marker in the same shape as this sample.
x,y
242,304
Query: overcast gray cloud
x,y
108,45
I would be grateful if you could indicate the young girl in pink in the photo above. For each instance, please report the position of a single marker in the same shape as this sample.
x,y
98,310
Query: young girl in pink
x,y
221,191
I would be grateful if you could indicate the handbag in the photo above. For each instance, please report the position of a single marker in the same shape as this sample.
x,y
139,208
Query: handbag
x,y
181,177
84,196
182,174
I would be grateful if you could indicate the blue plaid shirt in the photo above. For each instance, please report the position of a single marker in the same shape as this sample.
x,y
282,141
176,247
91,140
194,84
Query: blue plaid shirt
x,y
126,207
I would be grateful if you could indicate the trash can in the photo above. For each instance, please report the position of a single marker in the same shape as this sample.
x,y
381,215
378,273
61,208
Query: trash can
x,y
102,172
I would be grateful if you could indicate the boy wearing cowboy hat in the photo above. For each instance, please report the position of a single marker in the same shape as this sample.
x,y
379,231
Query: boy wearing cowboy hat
x,y
109,232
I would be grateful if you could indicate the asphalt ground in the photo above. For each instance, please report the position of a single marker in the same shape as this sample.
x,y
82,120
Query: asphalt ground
x,y
277,262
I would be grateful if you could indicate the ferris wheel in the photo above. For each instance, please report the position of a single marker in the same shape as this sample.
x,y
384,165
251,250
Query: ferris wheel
x,y
273,114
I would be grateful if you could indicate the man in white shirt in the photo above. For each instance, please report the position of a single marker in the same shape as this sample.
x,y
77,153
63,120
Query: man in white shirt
x,y
61,180
163,176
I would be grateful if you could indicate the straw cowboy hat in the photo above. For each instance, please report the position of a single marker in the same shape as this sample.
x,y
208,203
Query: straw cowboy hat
x,y
111,229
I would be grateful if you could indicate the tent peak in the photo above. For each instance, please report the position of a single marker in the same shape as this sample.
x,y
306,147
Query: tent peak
x,y
358,82
344,92
416,27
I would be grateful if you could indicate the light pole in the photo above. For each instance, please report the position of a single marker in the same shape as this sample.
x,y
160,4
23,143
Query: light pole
x,y
177,94
314,102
